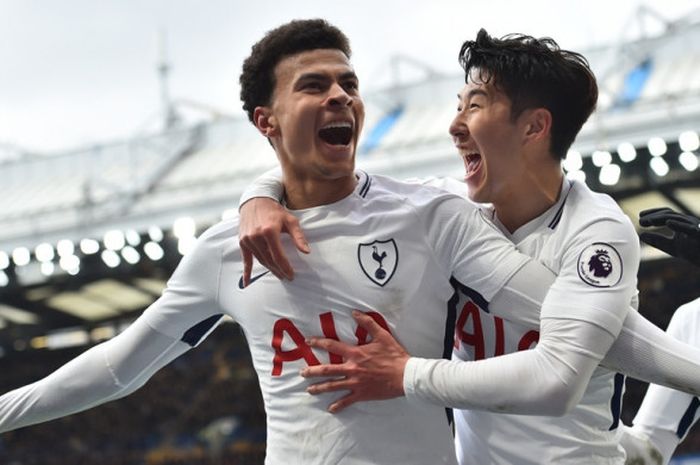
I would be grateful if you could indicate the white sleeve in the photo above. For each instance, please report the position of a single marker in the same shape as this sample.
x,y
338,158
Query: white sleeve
x,y
106,372
547,380
666,415
269,184
582,315
181,318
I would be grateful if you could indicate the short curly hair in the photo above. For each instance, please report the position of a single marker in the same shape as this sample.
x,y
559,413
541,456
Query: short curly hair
x,y
258,76
536,73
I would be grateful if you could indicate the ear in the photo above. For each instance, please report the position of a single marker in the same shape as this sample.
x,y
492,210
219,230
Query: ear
x,y
538,124
265,121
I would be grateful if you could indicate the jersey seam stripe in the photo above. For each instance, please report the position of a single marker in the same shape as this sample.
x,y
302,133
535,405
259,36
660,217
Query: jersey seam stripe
x,y
557,217
366,185
688,416
478,299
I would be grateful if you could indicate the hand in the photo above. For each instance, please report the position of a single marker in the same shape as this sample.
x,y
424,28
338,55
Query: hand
x,y
685,241
373,371
262,222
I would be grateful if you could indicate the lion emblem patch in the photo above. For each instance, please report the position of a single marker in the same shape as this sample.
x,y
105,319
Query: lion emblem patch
x,y
600,265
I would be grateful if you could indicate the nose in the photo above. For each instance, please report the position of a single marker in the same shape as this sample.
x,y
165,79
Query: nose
x,y
337,96
458,129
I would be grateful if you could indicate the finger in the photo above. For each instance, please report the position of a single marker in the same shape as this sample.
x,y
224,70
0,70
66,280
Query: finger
x,y
343,403
331,345
650,211
329,386
369,324
247,266
294,230
654,216
277,255
658,241
692,229
262,254
336,370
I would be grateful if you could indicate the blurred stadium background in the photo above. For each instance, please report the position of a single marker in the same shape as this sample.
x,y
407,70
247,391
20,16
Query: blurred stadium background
x,y
88,238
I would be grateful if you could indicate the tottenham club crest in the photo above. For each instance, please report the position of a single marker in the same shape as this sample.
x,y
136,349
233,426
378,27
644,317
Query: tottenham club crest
x,y
600,265
378,260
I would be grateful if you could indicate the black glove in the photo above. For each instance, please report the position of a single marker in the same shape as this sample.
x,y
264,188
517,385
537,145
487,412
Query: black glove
x,y
685,241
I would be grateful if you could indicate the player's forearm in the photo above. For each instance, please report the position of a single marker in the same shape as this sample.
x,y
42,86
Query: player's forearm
x,y
548,380
645,352
106,372
78,385
268,184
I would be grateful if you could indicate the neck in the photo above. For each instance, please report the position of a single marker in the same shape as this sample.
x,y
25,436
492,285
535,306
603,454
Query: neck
x,y
308,193
538,191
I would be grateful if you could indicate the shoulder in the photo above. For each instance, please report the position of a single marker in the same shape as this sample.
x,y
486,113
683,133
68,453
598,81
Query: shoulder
x,y
588,214
419,196
216,241
689,311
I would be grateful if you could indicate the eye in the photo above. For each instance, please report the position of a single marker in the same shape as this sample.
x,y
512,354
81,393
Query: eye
x,y
312,85
474,105
351,85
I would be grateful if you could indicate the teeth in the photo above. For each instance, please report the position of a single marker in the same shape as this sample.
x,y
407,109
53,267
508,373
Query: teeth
x,y
338,124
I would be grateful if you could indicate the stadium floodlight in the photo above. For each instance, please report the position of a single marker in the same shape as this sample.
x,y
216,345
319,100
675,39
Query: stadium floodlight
x,y
4,279
110,258
626,152
153,251
659,166
65,247
155,233
21,256
131,255
186,244
688,160
689,141
184,227
47,268
601,158
609,174
577,175
657,146
44,252
89,246
69,263
4,260
133,238
572,162
114,240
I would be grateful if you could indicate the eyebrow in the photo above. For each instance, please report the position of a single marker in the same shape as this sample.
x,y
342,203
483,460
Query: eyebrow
x,y
323,77
471,93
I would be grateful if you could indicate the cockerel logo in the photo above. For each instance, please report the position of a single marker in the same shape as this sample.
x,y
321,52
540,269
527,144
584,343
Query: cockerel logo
x,y
378,260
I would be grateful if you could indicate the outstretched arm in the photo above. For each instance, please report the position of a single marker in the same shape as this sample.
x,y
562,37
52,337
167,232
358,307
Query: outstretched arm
x,y
180,319
106,372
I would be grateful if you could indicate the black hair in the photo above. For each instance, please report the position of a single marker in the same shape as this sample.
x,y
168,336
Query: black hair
x,y
536,73
258,76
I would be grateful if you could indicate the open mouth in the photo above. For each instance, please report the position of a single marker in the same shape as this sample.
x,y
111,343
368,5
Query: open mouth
x,y
472,162
339,133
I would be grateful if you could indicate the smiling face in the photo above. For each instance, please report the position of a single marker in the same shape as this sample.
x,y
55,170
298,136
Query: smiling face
x,y
315,116
489,141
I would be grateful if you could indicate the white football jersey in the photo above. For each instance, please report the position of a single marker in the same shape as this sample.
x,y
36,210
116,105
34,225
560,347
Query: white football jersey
x,y
389,249
588,241
666,415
